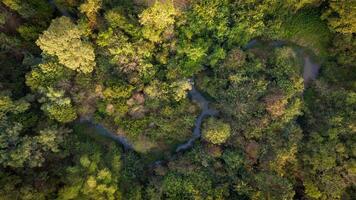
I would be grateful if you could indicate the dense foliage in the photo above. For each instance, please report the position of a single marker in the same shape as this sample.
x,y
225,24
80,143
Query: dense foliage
x,y
97,101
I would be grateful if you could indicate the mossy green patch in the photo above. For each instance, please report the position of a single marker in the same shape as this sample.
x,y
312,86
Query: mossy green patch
x,y
306,29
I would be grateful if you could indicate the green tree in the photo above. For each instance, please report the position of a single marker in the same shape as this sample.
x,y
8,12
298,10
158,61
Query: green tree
x,y
190,186
271,186
47,74
341,16
20,150
233,159
157,19
63,39
326,153
30,8
118,20
132,57
94,175
343,60
176,90
305,28
8,106
17,147
57,106
91,8
215,131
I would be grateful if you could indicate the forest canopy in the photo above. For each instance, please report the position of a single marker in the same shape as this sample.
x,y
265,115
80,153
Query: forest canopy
x,y
177,99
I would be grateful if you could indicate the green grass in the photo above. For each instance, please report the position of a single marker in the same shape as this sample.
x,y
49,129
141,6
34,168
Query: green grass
x,y
306,29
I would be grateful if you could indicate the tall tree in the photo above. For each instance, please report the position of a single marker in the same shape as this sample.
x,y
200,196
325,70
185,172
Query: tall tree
x,y
64,40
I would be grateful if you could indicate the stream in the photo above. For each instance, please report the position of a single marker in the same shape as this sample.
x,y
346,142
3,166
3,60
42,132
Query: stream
x,y
310,72
100,129
196,96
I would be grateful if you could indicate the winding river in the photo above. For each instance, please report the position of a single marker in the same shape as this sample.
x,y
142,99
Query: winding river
x,y
194,94
310,72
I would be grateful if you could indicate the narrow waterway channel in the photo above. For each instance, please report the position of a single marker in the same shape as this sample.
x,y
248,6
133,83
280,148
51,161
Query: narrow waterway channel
x,y
100,129
206,111
195,96
310,72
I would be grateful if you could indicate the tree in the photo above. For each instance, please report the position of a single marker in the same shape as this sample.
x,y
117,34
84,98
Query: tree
x,y
19,149
63,39
8,106
157,19
176,90
57,106
195,185
341,16
233,160
202,30
271,186
216,131
275,104
305,28
236,58
90,8
343,60
117,20
19,186
132,56
248,21
9,43
296,5
24,151
328,123
47,74
95,173
30,8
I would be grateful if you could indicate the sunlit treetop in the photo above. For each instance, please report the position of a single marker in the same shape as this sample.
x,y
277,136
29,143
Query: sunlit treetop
x,y
156,19
63,39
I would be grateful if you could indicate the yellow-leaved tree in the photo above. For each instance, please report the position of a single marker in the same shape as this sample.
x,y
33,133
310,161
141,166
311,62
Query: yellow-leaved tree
x,y
64,40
